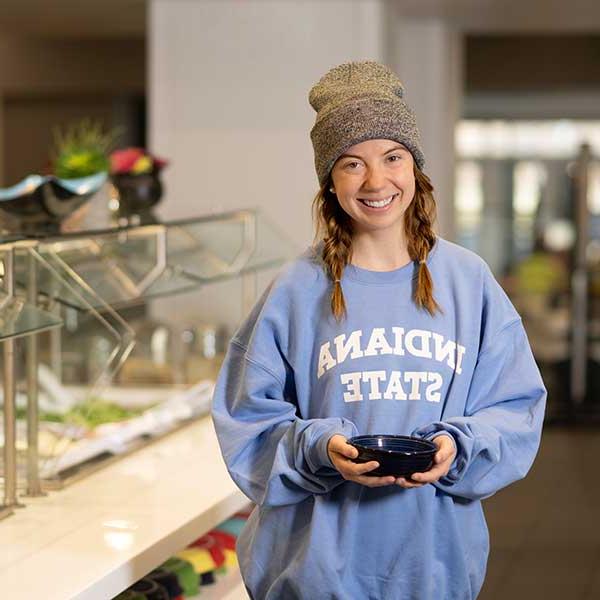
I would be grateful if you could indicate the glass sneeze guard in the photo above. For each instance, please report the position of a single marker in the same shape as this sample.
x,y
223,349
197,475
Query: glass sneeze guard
x,y
98,280
127,265
18,316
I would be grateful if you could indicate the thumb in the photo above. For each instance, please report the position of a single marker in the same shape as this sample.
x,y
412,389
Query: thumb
x,y
339,444
349,451
445,448
441,456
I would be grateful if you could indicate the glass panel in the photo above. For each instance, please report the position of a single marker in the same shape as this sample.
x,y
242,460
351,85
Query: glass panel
x,y
114,268
123,267
18,318
99,396
55,281
231,244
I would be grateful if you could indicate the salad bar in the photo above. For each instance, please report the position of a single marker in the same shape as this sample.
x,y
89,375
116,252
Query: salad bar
x,y
90,375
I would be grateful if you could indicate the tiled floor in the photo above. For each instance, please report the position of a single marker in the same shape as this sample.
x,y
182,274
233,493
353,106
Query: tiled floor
x,y
545,530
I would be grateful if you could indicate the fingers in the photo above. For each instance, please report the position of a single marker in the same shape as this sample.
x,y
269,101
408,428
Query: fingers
x,y
342,455
435,473
374,481
356,472
338,444
408,483
430,476
352,469
442,462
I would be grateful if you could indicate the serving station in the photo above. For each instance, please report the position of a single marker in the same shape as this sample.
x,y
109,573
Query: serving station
x,y
110,463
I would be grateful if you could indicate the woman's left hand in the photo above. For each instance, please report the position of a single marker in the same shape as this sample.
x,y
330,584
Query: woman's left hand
x,y
442,461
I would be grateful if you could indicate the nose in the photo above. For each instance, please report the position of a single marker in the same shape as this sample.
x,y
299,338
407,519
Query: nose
x,y
374,179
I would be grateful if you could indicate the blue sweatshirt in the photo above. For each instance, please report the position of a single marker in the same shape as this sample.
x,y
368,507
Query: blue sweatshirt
x,y
293,377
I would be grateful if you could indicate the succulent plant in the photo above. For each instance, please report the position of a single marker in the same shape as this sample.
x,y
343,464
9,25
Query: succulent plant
x,y
83,149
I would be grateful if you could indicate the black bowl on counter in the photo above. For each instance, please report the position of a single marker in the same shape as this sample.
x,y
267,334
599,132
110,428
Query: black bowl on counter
x,y
397,455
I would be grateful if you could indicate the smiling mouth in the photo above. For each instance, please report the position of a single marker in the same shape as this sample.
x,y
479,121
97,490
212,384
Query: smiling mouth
x,y
378,203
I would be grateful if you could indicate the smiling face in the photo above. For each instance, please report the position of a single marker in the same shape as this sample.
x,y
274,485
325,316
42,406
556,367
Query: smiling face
x,y
374,183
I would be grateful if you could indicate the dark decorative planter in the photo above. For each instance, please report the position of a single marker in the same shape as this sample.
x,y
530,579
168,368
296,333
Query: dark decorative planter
x,y
39,204
137,194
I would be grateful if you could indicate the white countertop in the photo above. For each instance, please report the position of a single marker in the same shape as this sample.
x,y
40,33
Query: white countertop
x,y
93,539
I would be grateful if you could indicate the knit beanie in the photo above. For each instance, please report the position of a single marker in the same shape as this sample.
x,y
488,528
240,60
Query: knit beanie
x,y
355,102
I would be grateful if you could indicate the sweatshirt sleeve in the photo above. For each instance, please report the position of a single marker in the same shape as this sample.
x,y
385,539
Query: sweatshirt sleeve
x,y
274,456
498,437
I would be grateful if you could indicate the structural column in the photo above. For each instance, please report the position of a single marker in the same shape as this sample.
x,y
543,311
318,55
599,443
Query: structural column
x,y
428,57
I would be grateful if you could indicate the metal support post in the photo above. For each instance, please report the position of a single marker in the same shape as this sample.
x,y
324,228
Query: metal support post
x,y
34,487
10,450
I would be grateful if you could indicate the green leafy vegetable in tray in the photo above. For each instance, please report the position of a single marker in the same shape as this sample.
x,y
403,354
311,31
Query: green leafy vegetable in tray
x,y
90,413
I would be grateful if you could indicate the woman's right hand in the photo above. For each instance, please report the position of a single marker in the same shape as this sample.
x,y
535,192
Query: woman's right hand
x,y
341,453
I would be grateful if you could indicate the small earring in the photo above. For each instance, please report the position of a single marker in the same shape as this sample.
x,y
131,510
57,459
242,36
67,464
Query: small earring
x,y
332,190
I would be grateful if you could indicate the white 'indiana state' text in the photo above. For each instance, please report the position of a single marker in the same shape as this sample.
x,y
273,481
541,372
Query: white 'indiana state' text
x,y
416,342
378,389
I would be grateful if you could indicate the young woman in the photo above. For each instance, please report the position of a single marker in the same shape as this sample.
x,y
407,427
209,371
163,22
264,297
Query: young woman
x,y
380,327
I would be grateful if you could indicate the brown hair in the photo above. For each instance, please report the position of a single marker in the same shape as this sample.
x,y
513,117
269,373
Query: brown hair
x,y
334,227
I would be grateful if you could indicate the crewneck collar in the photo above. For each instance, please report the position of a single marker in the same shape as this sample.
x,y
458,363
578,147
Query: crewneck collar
x,y
406,272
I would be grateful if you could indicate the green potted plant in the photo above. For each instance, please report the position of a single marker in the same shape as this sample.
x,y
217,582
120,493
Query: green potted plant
x,y
82,150
57,200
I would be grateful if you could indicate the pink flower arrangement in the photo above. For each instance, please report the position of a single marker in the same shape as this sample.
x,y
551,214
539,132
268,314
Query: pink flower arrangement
x,y
135,161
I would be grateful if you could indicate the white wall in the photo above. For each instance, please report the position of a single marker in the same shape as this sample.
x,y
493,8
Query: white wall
x,y
427,53
228,99
228,104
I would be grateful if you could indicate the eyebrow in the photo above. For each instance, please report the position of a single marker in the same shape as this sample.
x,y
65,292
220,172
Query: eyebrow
x,y
400,147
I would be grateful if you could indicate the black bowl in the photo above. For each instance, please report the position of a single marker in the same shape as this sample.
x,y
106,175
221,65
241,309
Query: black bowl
x,y
397,455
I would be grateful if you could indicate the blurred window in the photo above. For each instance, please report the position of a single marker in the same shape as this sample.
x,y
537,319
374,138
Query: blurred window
x,y
513,183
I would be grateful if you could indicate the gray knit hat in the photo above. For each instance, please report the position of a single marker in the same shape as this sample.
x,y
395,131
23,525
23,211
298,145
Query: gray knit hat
x,y
359,101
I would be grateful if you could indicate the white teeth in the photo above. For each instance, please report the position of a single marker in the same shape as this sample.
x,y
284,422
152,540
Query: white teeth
x,y
379,203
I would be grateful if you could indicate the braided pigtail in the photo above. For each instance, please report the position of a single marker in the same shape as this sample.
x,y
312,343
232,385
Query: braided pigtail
x,y
419,218
333,226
